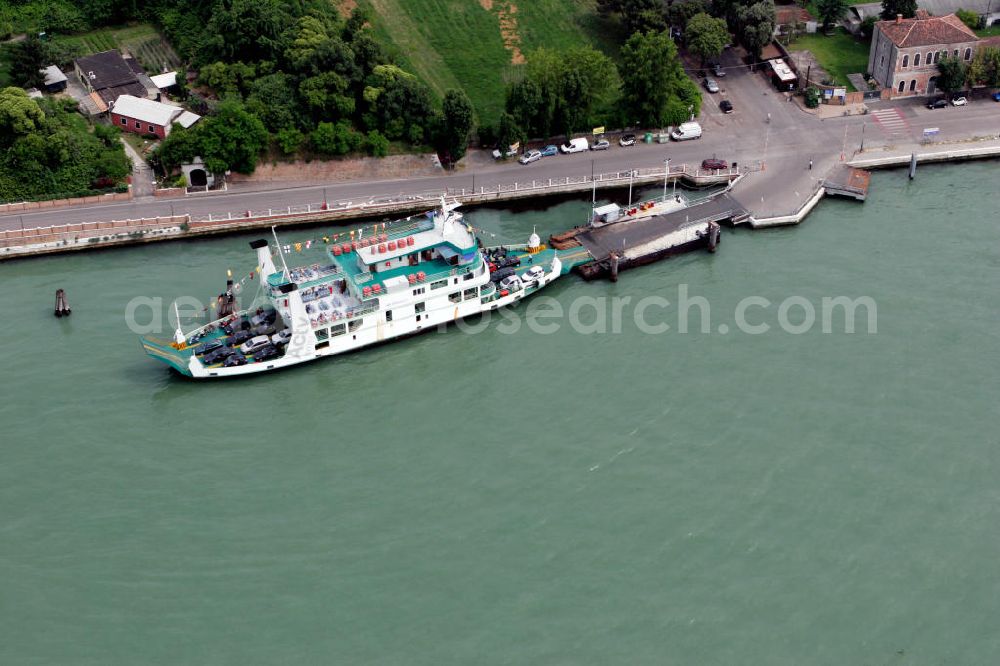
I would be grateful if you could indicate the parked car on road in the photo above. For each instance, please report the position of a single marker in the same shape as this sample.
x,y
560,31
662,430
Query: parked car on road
x,y
530,156
511,152
574,146
718,70
996,97
686,131
713,163
726,106
600,144
550,150
627,140
710,85
959,101
937,104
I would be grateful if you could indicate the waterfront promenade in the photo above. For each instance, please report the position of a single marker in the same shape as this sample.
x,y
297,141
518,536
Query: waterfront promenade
x,y
772,141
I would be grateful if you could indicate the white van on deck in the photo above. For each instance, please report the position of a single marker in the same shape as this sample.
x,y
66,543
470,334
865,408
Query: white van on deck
x,y
575,146
686,131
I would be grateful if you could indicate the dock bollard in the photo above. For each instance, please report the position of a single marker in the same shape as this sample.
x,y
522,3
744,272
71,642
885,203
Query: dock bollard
x,y
62,305
913,165
614,267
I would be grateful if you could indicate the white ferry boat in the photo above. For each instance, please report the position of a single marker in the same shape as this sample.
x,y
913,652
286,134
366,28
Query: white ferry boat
x,y
415,275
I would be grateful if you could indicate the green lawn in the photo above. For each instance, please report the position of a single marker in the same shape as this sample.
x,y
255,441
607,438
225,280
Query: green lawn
x,y
457,43
991,31
839,54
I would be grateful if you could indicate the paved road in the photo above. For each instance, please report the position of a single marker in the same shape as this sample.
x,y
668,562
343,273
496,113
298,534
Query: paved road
x,y
784,144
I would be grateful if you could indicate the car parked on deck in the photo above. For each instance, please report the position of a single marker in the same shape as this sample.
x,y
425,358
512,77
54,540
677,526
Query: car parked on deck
x,y
600,144
208,347
252,345
550,150
713,164
238,338
726,106
234,359
937,104
532,275
530,156
510,283
218,356
627,140
281,337
710,85
266,353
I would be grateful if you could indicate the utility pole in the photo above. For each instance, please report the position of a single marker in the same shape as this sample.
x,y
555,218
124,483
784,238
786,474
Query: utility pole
x,y
862,148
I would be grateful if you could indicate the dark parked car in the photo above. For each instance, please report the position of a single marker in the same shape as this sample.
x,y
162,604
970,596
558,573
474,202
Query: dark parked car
x,y
266,353
218,356
234,359
714,164
627,140
726,106
718,70
937,104
238,338
996,97
209,346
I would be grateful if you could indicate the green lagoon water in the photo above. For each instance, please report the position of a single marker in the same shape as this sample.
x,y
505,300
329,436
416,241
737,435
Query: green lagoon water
x,y
526,499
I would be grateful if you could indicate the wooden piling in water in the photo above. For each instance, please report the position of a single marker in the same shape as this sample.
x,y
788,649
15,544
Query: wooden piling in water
x,y
62,305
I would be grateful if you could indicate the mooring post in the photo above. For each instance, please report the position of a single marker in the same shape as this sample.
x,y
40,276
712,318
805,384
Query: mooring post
x,y
62,306
614,267
913,165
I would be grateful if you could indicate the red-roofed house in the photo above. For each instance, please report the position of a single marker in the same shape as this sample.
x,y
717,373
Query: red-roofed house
x,y
905,52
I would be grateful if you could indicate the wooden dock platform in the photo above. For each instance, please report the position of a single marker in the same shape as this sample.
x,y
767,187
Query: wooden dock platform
x,y
848,181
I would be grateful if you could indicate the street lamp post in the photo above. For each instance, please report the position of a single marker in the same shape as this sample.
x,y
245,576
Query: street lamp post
x,y
666,174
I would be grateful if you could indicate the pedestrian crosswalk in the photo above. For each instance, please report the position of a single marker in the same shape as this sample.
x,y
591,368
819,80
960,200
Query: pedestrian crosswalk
x,y
891,121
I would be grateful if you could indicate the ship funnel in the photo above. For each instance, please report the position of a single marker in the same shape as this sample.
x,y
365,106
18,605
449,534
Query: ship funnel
x,y
264,259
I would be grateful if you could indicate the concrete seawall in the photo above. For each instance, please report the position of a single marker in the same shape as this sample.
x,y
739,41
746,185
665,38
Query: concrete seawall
x,y
68,238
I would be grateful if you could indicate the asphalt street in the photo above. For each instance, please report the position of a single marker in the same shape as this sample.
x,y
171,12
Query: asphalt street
x,y
765,130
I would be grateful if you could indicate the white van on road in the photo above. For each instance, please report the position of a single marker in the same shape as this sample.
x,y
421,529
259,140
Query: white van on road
x,y
575,146
686,131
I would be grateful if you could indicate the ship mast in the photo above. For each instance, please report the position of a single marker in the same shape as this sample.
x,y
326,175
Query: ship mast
x,y
280,253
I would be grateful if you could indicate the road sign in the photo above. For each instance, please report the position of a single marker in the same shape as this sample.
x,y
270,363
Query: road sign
x,y
599,130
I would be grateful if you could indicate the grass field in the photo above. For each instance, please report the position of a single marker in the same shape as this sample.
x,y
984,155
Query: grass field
x,y
839,54
458,43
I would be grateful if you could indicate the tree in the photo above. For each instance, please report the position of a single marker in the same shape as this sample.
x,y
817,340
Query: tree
x,y
28,57
655,90
985,67
289,140
508,133
951,74
19,114
890,8
679,13
635,15
969,18
335,138
830,11
457,124
756,26
868,27
706,36
231,139
378,145
563,91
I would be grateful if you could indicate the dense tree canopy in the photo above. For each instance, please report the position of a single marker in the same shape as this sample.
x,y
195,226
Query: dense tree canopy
x,y
230,139
830,11
48,150
458,121
636,15
755,25
890,8
985,67
952,74
655,90
563,92
706,36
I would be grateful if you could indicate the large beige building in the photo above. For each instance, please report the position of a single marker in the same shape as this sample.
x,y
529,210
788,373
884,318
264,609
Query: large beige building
x,y
905,52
